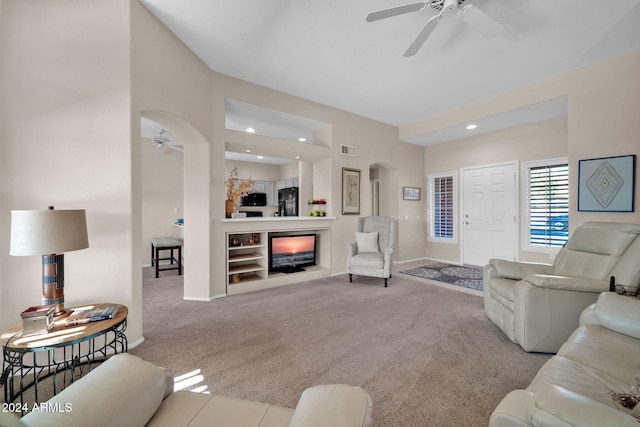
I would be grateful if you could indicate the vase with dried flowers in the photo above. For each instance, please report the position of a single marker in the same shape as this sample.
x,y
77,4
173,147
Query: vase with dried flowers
x,y
236,188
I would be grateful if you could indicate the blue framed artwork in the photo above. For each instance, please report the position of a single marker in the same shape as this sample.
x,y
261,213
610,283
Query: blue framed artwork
x,y
607,184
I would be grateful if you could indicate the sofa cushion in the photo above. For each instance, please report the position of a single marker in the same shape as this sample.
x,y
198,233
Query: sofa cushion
x,y
184,408
368,260
616,355
578,378
98,400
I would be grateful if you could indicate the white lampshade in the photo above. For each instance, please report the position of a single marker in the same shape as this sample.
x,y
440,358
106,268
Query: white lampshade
x,y
48,232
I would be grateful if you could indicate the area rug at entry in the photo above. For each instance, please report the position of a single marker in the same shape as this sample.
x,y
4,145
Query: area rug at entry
x,y
467,277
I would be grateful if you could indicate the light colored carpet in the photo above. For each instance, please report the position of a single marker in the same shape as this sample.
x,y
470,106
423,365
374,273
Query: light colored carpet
x,y
426,354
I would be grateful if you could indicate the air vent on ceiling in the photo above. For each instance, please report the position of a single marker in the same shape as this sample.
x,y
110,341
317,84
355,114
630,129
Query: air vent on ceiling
x,y
348,150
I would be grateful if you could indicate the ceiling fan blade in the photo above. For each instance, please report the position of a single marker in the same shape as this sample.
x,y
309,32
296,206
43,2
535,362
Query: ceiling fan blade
x,y
422,37
395,11
175,148
482,22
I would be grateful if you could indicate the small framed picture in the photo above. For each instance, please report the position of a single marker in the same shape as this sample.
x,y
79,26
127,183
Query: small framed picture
x,y
411,193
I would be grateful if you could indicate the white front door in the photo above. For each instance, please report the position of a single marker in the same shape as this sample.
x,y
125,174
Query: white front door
x,y
489,213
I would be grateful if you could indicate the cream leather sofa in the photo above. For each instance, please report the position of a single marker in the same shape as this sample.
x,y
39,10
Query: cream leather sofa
x,y
538,305
126,391
574,387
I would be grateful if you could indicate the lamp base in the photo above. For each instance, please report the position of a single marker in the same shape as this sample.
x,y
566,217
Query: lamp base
x,y
53,282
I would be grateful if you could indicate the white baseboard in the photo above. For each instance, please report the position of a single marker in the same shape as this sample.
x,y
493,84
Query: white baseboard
x,y
204,299
446,261
135,343
410,260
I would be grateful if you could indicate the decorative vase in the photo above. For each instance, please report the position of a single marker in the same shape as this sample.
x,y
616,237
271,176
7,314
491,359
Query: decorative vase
x,y
229,207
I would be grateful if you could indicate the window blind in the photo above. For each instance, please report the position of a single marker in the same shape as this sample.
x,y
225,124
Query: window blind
x,y
549,205
442,207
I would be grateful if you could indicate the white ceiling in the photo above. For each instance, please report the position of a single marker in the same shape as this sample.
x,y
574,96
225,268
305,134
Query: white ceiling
x,y
326,52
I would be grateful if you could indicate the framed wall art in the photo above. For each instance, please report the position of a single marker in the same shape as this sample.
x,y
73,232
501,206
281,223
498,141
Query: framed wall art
x,y
607,184
411,193
350,191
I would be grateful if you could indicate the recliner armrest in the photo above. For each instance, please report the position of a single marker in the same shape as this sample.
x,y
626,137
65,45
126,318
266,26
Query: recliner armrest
x,y
557,406
335,405
565,283
517,270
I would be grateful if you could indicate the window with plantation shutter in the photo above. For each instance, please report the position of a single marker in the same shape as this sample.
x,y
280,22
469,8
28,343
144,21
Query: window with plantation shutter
x,y
547,212
442,208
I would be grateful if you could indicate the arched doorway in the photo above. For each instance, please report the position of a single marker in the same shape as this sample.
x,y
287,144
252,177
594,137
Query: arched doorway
x,y
195,203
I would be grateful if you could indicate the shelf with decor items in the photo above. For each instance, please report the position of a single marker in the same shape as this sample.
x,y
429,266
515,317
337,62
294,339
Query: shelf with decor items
x,y
246,257
247,263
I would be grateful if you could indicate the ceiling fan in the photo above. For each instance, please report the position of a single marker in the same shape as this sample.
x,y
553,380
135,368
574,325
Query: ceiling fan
x,y
478,19
162,141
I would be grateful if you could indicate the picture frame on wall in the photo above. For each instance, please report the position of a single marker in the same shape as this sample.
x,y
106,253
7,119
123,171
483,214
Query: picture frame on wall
x,y
607,184
350,191
411,193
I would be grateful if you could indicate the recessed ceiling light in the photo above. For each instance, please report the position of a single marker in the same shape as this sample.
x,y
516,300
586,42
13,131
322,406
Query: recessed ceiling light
x,y
247,151
302,139
471,127
298,157
260,157
251,130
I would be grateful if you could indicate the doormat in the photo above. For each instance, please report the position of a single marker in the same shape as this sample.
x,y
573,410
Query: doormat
x,y
467,277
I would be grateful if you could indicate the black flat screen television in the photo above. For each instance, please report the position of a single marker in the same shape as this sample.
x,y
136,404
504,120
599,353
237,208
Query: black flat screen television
x,y
290,253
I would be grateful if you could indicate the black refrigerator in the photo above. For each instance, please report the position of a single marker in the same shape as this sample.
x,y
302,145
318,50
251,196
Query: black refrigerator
x,y
288,201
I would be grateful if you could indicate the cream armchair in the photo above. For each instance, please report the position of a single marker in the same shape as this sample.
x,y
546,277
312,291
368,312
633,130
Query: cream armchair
x,y
371,255
538,305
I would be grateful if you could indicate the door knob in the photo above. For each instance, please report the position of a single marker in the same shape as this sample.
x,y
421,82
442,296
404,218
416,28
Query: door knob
x,y
467,222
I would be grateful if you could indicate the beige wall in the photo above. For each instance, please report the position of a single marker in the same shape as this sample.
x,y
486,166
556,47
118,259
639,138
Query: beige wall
x,y
255,171
377,144
65,135
162,192
75,85
537,141
83,115
602,121
604,106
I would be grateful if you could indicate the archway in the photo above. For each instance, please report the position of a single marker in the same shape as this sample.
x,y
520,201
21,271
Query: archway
x,y
196,203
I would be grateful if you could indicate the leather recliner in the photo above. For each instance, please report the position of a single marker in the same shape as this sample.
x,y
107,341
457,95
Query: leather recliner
x,y
538,305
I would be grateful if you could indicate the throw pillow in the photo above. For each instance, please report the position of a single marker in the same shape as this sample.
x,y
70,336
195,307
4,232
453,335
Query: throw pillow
x,y
367,242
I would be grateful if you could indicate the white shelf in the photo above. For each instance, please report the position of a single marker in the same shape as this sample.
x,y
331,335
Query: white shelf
x,y
235,248
245,268
245,257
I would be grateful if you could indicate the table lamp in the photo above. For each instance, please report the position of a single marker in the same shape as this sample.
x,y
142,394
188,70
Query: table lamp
x,y
49,233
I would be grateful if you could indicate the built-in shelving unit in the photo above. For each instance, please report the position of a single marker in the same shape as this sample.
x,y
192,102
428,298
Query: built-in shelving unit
x,y
247,263
246,257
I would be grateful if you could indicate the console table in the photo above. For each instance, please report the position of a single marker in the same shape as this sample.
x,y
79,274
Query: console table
x,y
27,360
